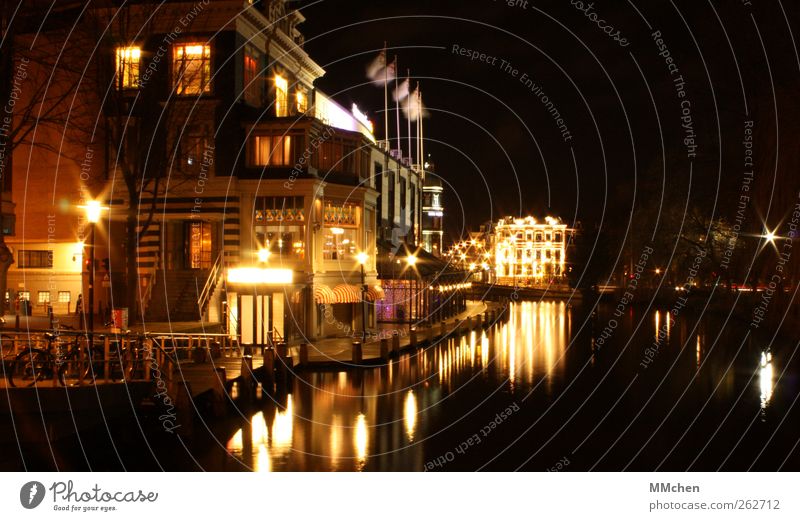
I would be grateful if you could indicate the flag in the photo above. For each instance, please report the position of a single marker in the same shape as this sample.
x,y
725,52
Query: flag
x,y
379,72
413,107
402,91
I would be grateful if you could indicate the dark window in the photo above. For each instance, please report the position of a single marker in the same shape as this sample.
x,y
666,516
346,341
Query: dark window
x,y
35,259
252,84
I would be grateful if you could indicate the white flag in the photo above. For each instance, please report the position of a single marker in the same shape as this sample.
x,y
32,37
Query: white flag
x,y
379,72
413,107
377,65
402,91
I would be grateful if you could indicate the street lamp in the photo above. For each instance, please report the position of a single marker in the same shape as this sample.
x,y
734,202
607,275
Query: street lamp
x,y
362,259
94,211
263,255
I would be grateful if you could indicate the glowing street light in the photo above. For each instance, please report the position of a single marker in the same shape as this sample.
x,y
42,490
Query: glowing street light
x,y
94,211
411,260
362,258
263,255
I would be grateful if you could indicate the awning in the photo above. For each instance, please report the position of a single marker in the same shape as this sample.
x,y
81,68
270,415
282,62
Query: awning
x,y
375,293
347,294
324,295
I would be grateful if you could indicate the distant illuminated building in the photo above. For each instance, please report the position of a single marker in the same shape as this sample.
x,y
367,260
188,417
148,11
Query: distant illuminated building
x,y
528,252
432,213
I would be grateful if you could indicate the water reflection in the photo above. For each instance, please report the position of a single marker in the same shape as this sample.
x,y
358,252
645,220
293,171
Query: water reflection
x,y
388,418
765,378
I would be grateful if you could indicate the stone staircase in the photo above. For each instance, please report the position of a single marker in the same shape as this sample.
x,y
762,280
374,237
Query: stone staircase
x,y
174,296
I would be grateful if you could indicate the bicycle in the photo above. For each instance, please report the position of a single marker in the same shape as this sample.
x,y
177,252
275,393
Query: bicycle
x,y
37,365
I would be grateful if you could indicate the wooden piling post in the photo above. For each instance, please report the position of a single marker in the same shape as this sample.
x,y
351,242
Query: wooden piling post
x,y
269,369
303,355
384,348
395,343
443,329
184,406
413,337
357,353
219,392
106,360
246,376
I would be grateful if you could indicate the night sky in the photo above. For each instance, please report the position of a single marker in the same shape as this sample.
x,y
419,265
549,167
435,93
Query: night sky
x,y
497,146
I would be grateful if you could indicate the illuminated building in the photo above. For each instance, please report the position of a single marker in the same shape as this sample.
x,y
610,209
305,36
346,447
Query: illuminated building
x,y
529,253
273,191
432,213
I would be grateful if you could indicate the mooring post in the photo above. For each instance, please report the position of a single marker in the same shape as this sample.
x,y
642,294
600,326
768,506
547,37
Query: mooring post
x,y
219,392
246,376
303,355
395,343
384,348
185,408
357,353
413,337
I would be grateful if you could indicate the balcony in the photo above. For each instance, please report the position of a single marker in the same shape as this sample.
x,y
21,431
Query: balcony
x,y
292,148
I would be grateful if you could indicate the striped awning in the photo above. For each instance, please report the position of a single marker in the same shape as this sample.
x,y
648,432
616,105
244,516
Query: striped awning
x,y
347,294
375,293
324,294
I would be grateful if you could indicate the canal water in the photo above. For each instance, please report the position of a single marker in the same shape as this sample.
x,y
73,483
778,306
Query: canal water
x,y
556,387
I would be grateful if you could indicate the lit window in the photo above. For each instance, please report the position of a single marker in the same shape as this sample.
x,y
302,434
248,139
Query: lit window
x,y
128,59
44,297
339,243
252,90
302,101
191,68
25,295
64,296
272,151
281,96
199,245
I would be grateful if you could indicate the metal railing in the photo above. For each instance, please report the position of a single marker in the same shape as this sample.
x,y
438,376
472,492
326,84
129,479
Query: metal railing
x,y
115,358
211,284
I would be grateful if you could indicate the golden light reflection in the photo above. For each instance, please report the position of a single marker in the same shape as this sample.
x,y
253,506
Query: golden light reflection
x,y
699,351
360,440
765,378
410,414
658,322
268,441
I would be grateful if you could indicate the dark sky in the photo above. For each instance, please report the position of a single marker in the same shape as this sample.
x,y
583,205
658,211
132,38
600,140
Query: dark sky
x,y
496,145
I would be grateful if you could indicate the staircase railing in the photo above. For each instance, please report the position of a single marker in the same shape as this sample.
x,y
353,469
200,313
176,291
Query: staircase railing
x,y
147,292
211,284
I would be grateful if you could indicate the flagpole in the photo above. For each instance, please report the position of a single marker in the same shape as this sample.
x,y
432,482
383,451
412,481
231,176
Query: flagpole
x,y
397,108
408,117
421,135
416,108
385,97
